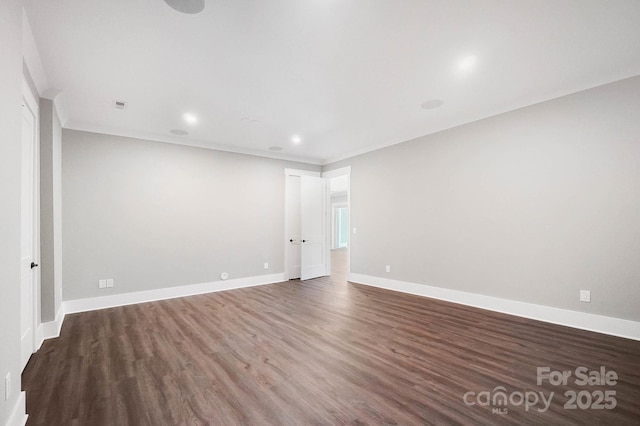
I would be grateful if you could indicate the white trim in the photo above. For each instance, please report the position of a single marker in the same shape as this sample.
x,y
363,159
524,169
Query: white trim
x,y
342,171
30,101
584,321
30,98
337,172
362,151
92,304
332,226
51,329
39,337
296,172
18,416
179,140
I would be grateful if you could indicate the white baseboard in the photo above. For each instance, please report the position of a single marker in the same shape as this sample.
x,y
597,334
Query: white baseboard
x,y
598,323
39,337
84,305
18,416
51,329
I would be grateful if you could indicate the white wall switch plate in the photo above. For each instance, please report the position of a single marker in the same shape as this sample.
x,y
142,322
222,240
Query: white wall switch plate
x,y
388,268
266,265
585,296
102,284
110,283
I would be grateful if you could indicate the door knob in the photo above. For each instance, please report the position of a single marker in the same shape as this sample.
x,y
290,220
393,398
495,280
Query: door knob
x,y
33,265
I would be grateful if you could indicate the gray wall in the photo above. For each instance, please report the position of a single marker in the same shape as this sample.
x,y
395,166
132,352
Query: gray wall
x,y
532,205
10,143
153,215
50,210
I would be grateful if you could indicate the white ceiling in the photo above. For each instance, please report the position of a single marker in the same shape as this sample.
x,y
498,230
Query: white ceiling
x,y
347,76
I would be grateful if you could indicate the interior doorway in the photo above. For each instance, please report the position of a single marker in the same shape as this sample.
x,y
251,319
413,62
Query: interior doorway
x,y
339,222
306,236
317,224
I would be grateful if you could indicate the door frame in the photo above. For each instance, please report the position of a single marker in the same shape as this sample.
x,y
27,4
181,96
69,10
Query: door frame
x,y
29,100
334,208
328,175
287,230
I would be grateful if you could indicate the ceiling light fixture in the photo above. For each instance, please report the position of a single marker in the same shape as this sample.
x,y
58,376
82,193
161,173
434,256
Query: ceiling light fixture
x,y
189,7
296,139
467,63
190,118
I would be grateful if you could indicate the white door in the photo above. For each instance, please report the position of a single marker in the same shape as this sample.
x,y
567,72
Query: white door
x,y
26,235
313,197
293,226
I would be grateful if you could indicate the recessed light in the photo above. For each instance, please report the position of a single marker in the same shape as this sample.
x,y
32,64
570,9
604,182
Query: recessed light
x,y
186,6
296,139
190,118
275,148
467,63
432,104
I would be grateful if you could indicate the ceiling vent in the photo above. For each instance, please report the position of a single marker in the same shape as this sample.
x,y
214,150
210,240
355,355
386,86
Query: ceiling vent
x,y
190,7
120,104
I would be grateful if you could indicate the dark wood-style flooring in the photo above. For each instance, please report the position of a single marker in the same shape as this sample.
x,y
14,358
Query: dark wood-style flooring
x,y
321,352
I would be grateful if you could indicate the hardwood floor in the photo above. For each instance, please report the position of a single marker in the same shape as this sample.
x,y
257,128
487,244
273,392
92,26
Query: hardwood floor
x,y
321,352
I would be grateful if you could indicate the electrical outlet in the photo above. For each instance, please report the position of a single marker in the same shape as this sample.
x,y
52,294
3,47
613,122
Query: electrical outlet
x,y
110,283
355,231
266,265
102,284
7,386
388,268
585,296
